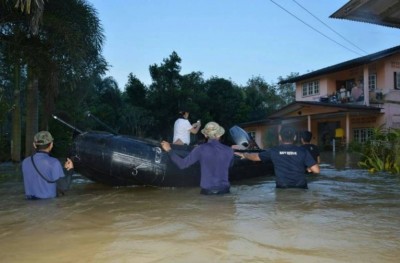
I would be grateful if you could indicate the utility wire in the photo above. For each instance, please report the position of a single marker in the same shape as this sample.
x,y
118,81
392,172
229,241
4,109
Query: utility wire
x,y
315,29
348,41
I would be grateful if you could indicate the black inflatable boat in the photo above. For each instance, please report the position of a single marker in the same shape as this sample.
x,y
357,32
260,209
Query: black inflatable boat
x,y
121,160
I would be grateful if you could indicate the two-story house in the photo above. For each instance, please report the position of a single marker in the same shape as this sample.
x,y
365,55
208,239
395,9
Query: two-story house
x,y
342,102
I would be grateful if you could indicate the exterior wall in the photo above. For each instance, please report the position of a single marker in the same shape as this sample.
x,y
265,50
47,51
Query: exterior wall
x,y
384,70
260,133
391,119
322,118
391,96
323,90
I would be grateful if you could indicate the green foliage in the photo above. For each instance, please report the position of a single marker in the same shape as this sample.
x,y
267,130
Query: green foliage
x,y
135,91
64,55
5,148
355,146
261,99
224,99
380,153
287,91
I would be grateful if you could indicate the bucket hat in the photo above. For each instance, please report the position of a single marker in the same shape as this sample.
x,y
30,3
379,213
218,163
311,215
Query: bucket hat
x,y
212,130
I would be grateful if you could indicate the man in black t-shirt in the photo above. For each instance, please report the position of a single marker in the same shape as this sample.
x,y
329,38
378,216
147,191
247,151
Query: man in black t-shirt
x,y
312,148
288,159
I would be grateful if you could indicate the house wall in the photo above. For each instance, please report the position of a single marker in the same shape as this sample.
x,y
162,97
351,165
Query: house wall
x,y
391,96
384,70
392,64
260,133
321,118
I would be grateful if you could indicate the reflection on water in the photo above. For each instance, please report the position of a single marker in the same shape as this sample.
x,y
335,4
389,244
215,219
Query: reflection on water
x,y
347,215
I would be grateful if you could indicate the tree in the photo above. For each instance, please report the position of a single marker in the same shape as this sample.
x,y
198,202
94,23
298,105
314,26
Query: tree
x,y
136,91
261,98
136,120
107,103
287,91
65,51
32,8
225,101
193,95
164,94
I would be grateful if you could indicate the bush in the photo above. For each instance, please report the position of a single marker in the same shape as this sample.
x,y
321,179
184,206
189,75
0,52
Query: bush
x,y
380,152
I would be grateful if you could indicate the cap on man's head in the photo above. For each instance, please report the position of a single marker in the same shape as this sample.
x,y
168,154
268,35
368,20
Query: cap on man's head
x,y
212,130
42,138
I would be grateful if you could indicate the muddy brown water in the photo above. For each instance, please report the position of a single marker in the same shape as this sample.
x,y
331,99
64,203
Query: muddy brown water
x,y
346,215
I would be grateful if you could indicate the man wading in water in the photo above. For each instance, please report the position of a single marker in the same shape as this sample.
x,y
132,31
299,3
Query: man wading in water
x,y
289,160
42,173
215,159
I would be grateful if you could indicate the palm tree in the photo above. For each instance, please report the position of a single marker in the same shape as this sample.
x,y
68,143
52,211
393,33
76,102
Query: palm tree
x,y
34,9
65,50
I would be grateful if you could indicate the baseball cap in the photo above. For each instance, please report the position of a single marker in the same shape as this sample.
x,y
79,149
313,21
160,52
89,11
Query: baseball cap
x,y
43,138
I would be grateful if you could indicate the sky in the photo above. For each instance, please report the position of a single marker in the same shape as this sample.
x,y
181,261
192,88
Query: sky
x,y
233,39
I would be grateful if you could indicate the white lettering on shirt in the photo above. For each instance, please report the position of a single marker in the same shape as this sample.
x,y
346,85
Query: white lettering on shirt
x,y
287,153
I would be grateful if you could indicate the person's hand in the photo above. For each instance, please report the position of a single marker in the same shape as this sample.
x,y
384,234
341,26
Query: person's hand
x,y
241,155
197,124
68,164
166,146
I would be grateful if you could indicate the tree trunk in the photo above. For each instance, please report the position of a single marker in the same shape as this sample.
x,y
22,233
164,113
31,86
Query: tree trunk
x,y
32,113
16,116
51,92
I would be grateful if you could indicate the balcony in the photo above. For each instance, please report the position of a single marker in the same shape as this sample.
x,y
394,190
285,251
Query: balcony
x,y
345,97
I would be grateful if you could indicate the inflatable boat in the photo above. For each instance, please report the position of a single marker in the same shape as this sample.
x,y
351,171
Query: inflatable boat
x,y
121,160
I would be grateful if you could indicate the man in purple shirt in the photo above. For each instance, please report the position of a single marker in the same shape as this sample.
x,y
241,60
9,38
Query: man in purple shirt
x,y
41,171
215,159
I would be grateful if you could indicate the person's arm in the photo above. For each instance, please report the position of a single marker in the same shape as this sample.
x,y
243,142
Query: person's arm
x,y
182,163
250,156
195,127
314,169
311,163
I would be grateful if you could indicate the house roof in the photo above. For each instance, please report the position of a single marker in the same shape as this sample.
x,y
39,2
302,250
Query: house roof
x,y
380,12
257,123
297,106
345,65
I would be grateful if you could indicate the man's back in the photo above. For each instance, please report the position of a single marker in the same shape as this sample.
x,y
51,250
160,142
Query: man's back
x,y
313,149
289,162
215,160
34,184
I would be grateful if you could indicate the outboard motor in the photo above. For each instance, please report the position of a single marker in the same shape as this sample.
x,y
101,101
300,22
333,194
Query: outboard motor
x,y
242,139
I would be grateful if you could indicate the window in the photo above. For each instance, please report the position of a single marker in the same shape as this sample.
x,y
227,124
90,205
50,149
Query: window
x,y
372,82
396,80
311,88
362,134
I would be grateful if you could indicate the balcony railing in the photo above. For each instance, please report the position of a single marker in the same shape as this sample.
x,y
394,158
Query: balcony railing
x,y
346,98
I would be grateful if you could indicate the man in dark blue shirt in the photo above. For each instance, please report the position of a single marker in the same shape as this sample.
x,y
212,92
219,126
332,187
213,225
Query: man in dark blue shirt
x,y
312,148
215,159
289,160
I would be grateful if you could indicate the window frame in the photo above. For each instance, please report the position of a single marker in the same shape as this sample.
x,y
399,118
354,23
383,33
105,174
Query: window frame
x,y
361,135
372,83
396,80
310,88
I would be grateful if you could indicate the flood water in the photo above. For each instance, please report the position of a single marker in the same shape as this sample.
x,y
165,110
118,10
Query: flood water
x,y
346,215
